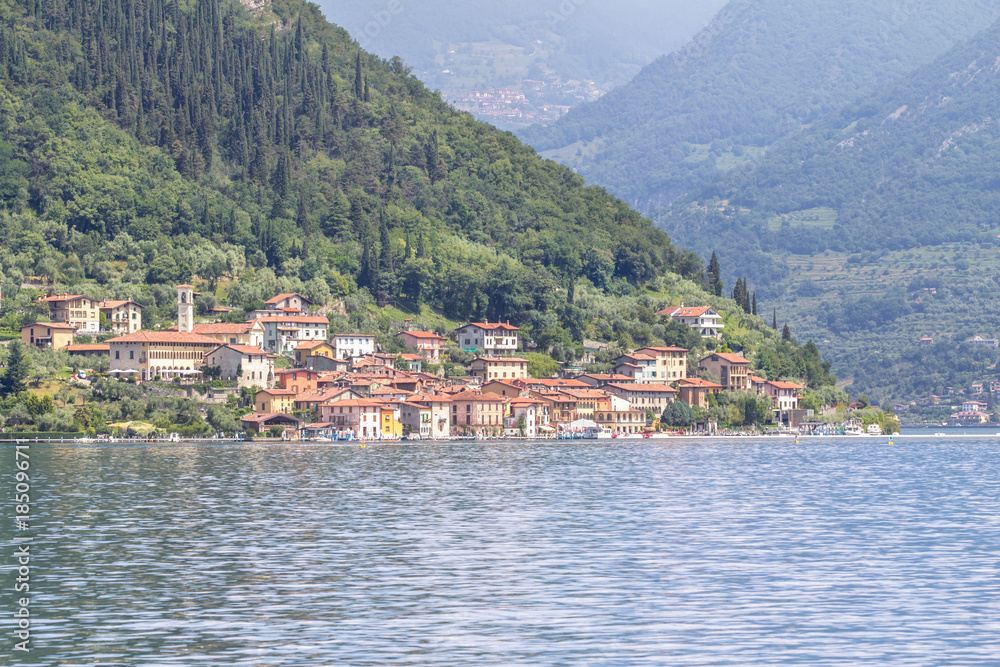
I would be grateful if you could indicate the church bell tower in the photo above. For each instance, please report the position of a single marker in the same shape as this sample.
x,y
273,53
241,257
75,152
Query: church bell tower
x,y
185,308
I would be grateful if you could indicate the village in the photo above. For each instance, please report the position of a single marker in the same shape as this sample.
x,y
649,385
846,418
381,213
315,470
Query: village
x,y
308,384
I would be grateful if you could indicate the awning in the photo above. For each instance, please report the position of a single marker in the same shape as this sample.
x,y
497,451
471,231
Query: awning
x,y
546,428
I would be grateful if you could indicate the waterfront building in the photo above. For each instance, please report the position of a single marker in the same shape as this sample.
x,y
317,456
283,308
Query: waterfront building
x,y
145,355
732,370
249,366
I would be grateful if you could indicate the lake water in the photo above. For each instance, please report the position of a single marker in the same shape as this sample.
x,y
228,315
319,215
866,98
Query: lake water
x,y
701,552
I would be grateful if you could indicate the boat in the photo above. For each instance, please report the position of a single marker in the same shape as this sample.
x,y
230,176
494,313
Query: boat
x,y
874,429
853,429
597,433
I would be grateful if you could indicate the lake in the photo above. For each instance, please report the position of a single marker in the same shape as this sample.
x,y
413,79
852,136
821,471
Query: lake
x,y
687,552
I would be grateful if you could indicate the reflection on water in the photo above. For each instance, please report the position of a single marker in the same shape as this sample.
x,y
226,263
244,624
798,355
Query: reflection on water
x,y
735,552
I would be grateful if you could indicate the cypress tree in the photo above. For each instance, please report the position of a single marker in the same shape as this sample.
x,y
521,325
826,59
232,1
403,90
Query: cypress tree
x,y
786,332
715,275
358,83
755,302
774,319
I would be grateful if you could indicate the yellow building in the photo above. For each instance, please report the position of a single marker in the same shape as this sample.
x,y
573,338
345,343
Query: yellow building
x,y
80,311
238,333
144,355
48,334
313,348
272,401
124,316
392,428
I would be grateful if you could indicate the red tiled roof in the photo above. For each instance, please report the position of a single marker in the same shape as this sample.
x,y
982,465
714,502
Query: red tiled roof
x,y
674,311
663,349
297,319
277,392
731,358
282,297
486,326
645,387
219,328
165,337
64,297
549,382
785,385
478,398
698,382
243,349
262,417
88,348
114,304
310,344
422,334
50,325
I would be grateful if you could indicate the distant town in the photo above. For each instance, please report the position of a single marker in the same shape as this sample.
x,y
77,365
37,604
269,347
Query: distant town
x,y
309,384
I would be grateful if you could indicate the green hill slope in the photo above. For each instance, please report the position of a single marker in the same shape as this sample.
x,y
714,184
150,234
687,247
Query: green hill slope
x,y
883,218
150,143
758,72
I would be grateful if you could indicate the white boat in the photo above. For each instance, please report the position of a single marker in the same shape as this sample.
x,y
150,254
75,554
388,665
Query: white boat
x,y
597,433
853,429
874,429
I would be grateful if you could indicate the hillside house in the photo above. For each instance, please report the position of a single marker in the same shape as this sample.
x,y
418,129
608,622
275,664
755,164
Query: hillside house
x,y
732,370
703,319
488,339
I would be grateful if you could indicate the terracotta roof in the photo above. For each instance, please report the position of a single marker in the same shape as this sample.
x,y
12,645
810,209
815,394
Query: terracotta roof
x,y
88,348
422,334
64,297
165,337
636,355
494,360
50,325
115,303
674,311
218,328
360,403
243,349
607,376
282,297
319,425
412,357
265,416
319,395
787,385
486,326
297,319
550,382
478,398
663,349
277,392
310,344
731,358
645,387
431,398
698,382
584,393
191,286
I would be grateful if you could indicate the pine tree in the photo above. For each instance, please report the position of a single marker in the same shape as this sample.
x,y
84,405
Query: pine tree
x,y
18,368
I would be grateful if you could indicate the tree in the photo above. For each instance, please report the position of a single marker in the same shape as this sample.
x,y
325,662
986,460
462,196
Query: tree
x,y
18,369
541,365
715,275
786,332
754,305
774,319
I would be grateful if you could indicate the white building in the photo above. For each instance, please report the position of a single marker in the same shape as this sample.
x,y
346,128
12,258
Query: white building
x,y
704,319
283,333
488,339
249,366
349,346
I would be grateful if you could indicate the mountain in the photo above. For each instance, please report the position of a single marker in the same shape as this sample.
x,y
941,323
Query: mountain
x,y
557,55
880,220
759,72
257,148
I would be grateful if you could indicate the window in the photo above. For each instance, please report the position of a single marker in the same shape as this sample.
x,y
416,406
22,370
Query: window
x,y
131,354
117,354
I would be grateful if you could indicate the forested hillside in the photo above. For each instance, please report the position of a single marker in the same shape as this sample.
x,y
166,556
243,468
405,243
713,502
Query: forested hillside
x,y
879,224
151,143
759,72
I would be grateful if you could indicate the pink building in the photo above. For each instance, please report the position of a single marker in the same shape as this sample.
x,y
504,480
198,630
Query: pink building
x,y
427,343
